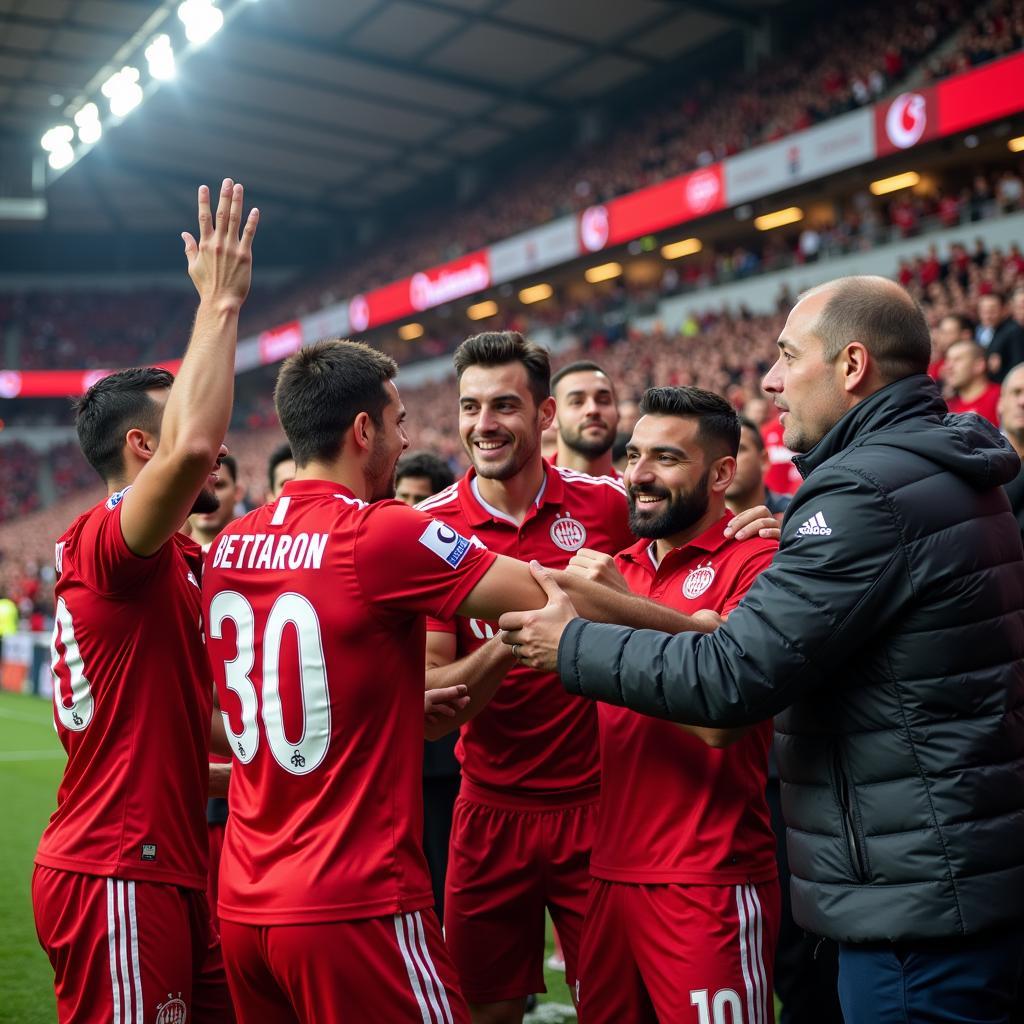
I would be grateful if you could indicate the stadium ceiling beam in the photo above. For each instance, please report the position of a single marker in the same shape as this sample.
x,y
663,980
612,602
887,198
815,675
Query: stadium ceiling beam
x,y
722,9
179,179
30,21
488,17
452,79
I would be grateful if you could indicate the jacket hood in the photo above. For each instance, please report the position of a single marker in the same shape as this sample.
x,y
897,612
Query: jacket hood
x,y
910,414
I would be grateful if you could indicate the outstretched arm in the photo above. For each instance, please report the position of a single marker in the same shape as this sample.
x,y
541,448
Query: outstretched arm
x,y
198,409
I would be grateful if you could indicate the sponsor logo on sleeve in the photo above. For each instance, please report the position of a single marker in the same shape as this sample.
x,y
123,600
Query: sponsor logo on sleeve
x,y
445,542
815,527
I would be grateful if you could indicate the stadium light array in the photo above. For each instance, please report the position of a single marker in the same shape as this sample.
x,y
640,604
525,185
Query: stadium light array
x,y
603,272
482,310
160,58
778,218
536,293
57,142
1016,145
677,250
410,332
882,187
201,19
161,45
123,91
87,120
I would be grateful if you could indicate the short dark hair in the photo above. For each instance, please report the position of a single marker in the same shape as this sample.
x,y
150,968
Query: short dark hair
x,y
747,423
992,295
427,464
282,453
977,349
232,466
322,388
881,315
579,366
110,408
498,348
719,422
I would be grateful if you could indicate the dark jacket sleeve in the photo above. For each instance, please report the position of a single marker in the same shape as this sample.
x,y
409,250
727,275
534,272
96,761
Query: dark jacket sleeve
x,y
822,599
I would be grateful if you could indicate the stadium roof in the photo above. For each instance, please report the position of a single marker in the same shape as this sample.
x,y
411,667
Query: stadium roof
x,y
325,108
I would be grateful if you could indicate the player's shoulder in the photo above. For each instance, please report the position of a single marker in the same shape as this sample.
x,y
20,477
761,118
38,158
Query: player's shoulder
x,y
574,480
751,549
443,505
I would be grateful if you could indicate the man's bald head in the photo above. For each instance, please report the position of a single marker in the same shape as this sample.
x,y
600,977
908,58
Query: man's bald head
x,y
879,314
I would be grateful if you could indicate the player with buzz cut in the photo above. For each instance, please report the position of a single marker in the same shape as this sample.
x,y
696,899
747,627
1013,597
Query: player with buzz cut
x,y
684,909
118,888
587,417
315,611
523,821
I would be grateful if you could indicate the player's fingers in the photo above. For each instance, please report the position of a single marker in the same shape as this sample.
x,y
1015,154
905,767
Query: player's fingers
x,y
235,211
191,247
205,217
757,528
747,518
510,621
224,206
250,228
547,581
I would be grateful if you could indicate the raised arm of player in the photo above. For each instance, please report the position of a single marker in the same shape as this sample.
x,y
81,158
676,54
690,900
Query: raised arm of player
x,y
198,408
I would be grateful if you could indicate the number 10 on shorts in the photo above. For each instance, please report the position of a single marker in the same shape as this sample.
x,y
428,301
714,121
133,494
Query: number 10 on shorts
x,y
713,1010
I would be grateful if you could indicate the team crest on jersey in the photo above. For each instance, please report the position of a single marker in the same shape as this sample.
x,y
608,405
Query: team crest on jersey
x,y
174,1011
445,542
568,533
698,580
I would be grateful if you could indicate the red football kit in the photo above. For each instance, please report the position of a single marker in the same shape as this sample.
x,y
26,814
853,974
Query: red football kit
x,y
314,608
121,867
685,900
782,476
985,405
523,822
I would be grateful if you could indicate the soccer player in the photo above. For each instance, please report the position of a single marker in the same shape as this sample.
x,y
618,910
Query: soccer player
x,y
314,608
118,888
205,527
587,417
683,911
530,780
280,469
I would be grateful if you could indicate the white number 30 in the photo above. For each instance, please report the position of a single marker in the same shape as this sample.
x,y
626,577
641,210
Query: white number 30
x,y
307,753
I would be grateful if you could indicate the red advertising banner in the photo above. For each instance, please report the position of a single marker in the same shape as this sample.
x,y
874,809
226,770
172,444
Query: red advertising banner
x,y
983,95
281,342
911,118
57,383
652,209
455,280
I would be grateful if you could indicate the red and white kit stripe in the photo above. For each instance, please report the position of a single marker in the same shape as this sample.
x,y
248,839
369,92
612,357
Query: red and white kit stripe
x,y
123,944
759,996
426,985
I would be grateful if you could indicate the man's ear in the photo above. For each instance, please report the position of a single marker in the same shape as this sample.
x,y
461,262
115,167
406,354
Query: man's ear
x,y
723,471
856,364
547,412
363,430
140,443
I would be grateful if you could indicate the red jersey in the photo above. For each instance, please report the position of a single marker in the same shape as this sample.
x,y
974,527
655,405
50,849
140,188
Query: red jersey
x,y
782,476
533,738
314,607
672,808
132,702
986,404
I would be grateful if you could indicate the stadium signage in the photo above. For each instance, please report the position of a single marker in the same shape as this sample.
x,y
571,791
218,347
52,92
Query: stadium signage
x,y
956,104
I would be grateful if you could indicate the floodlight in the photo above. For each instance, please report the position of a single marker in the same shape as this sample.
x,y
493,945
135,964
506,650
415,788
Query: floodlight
x,y
201,19
88,121
160,57
123,91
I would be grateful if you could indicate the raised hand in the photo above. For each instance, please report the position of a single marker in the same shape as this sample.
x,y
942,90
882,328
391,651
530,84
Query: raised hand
x,y
220,263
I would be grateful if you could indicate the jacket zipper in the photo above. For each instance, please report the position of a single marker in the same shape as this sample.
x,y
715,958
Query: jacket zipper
x,y
849,824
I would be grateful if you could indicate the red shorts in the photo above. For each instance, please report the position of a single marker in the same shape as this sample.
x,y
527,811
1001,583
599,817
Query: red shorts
x,y
213,877
135,952
505,866
700,953
393,969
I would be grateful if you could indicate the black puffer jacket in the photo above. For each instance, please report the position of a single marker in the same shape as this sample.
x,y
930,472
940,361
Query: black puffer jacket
x,y
891,625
